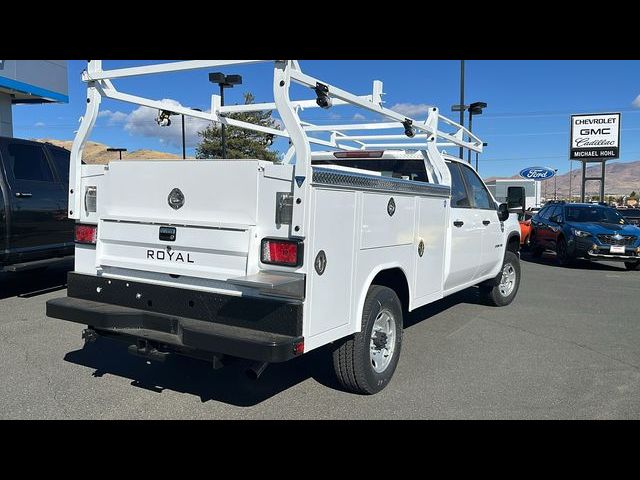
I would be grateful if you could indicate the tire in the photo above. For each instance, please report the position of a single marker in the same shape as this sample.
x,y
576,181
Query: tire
x,y
354,363
632,265
536,250
562,255
503,290
526,245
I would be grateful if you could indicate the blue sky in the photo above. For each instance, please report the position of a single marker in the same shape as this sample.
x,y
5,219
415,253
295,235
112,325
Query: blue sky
x,y
526,122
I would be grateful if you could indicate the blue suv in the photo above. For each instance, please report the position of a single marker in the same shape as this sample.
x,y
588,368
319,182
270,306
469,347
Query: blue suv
x,y
592,231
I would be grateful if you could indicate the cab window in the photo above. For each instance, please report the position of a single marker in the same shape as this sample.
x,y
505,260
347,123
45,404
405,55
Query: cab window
x,y
477,191
459,196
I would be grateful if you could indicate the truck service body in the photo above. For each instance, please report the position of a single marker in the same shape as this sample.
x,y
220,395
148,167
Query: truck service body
x,y
267,261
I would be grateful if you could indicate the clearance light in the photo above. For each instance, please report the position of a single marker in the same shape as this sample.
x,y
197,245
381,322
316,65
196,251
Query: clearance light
x,y
86,234
275,251
359,154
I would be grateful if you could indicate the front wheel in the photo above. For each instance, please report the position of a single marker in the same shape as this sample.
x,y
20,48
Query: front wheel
x,y
364,363
632,265
504,288
562,254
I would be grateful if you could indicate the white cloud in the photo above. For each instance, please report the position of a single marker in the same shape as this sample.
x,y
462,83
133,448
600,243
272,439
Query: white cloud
x,y
141,122
636,102
359,116
412,109
113,118
39,124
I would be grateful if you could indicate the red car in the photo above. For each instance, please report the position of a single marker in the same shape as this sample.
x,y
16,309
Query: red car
x,y
525,229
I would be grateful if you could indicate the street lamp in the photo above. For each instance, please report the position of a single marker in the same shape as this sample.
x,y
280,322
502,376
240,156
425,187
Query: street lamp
x,y
184,144
119,150
555,184
484,144
474,109
224,81
461,107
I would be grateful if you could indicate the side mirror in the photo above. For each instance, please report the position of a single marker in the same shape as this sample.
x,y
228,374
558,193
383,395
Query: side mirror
x,y
503,212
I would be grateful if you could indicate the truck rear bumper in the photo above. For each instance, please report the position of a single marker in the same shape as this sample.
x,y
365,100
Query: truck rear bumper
x,y
258,329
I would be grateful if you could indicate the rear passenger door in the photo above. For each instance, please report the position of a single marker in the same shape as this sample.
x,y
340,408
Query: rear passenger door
x,y
34,194
490,225
60,159
466,233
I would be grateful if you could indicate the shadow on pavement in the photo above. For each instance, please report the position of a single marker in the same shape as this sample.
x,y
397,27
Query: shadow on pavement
x,y
196,377
229,384
549,258
36,282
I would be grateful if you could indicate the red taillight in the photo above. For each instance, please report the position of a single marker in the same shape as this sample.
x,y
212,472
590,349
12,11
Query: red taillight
x,y
359,154
86,234
298,348
281,252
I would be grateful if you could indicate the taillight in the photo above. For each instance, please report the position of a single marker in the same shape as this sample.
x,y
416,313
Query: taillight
x,y
86,234
275,251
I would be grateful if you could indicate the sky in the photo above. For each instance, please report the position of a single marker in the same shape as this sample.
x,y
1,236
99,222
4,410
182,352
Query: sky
x,y
525,124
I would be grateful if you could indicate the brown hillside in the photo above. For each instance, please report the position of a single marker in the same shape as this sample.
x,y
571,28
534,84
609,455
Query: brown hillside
x,y
96,153
620,179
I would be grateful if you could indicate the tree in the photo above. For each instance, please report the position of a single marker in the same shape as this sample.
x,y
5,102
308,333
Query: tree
x,y
240,142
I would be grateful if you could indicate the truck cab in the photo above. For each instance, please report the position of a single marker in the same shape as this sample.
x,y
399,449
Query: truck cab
x,y
35,231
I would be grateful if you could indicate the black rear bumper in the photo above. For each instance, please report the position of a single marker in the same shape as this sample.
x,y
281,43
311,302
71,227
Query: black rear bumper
x,y
251,328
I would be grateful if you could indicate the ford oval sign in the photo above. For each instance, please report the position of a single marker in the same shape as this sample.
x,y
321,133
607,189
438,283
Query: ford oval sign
x,y
537,173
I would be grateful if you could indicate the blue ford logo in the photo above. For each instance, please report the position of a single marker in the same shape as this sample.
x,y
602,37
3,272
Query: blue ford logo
x,y
537,173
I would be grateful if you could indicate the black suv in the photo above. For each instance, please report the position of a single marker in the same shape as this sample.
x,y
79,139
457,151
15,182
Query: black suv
x,y
592,231
34,228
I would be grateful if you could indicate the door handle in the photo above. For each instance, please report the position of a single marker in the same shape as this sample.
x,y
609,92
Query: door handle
x,y
458,223
486,222
23,195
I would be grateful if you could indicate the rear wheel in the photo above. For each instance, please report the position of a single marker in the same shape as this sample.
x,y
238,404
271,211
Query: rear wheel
x,y
562,255
504,288
365,362
632,265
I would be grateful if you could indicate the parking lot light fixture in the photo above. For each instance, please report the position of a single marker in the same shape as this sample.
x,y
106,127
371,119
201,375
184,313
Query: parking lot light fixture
x,y
224,81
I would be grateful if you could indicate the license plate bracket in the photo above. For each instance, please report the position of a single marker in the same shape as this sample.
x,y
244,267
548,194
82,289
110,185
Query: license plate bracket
x,y
617,249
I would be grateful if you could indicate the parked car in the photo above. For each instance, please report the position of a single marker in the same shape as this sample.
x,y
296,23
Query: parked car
x,y
631,215
592,231
35,231
525,229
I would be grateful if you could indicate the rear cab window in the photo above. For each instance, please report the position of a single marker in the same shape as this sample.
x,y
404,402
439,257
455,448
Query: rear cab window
x,y
60,159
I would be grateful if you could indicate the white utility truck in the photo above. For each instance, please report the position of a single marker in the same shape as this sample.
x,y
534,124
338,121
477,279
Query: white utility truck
x,y
267,261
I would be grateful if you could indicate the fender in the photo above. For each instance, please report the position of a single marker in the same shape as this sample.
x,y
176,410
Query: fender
x,y
367,283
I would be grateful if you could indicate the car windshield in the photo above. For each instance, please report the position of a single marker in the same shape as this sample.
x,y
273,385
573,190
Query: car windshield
x,y
594,214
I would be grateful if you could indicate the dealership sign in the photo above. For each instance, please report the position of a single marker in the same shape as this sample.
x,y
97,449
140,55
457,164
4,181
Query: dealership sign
x,y
537,173
595,136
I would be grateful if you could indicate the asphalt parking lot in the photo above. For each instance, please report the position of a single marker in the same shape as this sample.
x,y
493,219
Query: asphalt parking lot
x,y
567,348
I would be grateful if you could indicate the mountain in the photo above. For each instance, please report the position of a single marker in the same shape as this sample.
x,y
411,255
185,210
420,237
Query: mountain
x,y
96,153
620,179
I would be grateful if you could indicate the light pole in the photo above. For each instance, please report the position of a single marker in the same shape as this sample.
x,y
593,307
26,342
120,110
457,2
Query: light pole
x,y
555,184
484,144
119,150
474,109
184,143
461,107
224,81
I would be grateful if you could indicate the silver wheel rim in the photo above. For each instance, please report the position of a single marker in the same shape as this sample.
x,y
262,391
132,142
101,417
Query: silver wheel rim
x,y
508,280
383,341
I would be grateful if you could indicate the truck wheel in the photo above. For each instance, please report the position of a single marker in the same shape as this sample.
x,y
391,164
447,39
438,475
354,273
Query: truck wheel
x,y
504,288
364,363
534,248
562,255
632,265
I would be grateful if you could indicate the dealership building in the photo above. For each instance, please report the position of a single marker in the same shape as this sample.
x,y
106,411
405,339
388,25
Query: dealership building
x,y
30,81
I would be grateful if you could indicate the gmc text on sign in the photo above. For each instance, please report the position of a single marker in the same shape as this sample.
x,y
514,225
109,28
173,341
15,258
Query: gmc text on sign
x,y
595,136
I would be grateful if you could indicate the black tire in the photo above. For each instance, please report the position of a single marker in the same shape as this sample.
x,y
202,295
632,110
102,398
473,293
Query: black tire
x,y
535,249
493,293
351,357
562,255
526,245
632,265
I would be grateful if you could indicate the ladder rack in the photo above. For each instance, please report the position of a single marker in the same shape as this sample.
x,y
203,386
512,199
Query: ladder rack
x,y
424,135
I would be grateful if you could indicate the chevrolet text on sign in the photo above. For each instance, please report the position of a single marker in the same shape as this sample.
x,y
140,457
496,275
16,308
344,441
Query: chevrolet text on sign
x,y
595,136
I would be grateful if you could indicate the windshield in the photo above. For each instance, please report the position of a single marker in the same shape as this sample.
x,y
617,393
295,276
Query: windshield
x,y
594,214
